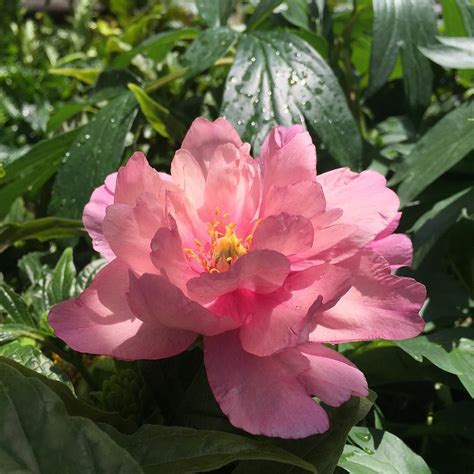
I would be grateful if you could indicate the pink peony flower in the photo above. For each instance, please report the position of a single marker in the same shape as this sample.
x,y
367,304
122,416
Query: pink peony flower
x,y
265,259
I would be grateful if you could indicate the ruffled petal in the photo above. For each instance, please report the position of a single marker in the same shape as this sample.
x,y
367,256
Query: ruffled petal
x,y
261,395
261,271
378,306
94,214
153,298
364,199
397,249
285,318
204,137
100,321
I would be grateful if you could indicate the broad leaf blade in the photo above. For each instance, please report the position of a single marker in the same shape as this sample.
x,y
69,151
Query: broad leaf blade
x,y
454,53
215,13
95,153
62,285
278,79
444,145
176,449
14,306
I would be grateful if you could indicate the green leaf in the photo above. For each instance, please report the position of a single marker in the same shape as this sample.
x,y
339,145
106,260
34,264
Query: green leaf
x,y
298,14
38,435
156,46
277,78
433,224
378,451
215,13
88,76
46,228
64,113
402,26
62,285
12,331
28,172
262,12
32,358
176,449
96,153
322,451
453,18
454,53
158,116
467,11
438,150
30,264
73,405
14,306
207,48
450,349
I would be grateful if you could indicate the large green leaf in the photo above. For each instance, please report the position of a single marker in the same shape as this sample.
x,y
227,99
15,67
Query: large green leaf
x,y
262,12
46,228
63,280
402,26
37,434
323,451
176,449
454,53
376,451
30,171
438,150
451,350
215,13
433,224
95,153
207,48
453,18
277,78
33,359
156,46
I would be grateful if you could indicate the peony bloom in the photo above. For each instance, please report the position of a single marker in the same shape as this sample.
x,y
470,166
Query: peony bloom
x,y
265,259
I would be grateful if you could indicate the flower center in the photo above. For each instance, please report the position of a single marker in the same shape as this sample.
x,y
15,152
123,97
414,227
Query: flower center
x,y
223,248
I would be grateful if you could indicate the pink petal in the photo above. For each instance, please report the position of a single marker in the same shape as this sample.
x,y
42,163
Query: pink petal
x,y
330,376
391,228
305,198
284,318
94,214
288,156
122,231
100,321
285,233
204,137
364,199
378,306
261,395
397,249
153,298
135,178
233,187
261,271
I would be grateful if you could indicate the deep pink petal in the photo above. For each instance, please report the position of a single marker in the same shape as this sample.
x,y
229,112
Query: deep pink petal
x,y
153,298
261,395
331,377
204,137
363,197
94,214
378,306
285,233
285,318
100,321
261,271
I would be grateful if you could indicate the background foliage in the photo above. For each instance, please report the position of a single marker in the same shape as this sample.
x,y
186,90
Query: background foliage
x,y
381,84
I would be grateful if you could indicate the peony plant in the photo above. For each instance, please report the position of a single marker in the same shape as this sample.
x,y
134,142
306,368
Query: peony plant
x,y
268,261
